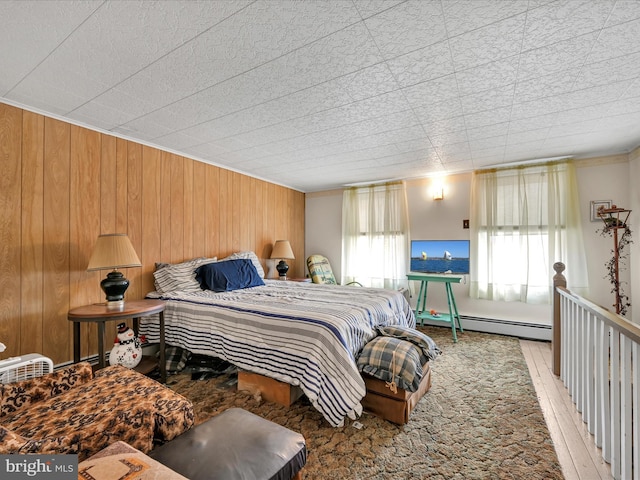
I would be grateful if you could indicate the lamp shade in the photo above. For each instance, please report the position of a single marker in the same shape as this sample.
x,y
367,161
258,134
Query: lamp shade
x,y
113,251
282,249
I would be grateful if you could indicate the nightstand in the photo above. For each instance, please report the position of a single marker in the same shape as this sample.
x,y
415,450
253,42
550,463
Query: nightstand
x,y
99,313
303,279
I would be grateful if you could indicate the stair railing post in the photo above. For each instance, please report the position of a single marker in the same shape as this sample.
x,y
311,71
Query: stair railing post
x,y
558,281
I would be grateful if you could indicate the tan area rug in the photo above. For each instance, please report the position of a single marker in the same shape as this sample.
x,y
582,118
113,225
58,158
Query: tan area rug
x,y
480,420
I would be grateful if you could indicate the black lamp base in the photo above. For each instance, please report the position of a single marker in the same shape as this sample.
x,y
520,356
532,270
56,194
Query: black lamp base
x,y
282,268
114,286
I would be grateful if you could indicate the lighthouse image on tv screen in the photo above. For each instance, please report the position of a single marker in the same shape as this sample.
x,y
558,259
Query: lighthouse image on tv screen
x,y
440,256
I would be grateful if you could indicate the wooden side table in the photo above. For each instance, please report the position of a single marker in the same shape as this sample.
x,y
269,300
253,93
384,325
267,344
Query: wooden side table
x,y
99,313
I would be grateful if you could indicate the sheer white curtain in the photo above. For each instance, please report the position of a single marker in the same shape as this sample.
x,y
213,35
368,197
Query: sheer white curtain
x,y
523,220
375,235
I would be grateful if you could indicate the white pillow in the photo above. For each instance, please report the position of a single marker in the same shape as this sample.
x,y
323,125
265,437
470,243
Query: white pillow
x,y
251,256
179,277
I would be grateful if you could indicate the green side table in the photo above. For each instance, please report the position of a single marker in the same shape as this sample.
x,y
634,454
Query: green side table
x,y
421,311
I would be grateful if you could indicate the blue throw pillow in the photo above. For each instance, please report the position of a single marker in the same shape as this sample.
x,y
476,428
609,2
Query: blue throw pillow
x,y
228,275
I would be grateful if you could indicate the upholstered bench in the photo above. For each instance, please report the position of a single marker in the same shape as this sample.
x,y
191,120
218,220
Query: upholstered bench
x,y
235,444
74,410
396,371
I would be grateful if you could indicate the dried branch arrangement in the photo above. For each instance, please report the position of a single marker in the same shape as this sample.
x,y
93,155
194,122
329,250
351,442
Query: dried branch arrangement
x,y
616,226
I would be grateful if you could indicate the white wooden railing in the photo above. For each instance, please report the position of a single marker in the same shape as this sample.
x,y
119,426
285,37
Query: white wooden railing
x,y
595,353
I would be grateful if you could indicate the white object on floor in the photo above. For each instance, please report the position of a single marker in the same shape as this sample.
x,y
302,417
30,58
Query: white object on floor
x,y
32,365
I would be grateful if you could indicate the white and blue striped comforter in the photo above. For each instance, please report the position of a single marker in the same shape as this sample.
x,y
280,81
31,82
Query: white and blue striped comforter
x,y
299,333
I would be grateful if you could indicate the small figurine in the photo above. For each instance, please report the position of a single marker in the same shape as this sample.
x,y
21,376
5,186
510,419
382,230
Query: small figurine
x,y
127,348
433,313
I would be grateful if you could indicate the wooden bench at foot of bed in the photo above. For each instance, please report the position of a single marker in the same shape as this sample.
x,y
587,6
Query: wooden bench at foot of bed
x,y
395,407
379,400
268,388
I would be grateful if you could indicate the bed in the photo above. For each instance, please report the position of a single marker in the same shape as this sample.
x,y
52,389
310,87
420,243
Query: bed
x,y
303,334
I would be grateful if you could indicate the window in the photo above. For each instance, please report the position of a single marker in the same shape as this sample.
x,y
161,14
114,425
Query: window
x,y
375,235
523,221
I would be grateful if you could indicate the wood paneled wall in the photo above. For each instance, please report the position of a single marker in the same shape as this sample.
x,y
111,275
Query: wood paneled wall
x,y
62,185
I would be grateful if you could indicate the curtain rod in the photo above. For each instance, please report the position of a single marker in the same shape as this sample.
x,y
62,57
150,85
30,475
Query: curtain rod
x,y
380,184
526,163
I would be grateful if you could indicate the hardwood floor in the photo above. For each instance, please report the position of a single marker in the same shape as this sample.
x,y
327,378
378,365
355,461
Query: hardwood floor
x,y
579,457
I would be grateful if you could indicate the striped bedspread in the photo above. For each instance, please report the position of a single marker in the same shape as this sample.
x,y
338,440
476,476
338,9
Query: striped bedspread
x,y
300,333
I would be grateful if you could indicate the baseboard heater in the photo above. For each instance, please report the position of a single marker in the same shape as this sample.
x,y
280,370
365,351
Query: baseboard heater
x,y
93,360
524,330
506,322
147,349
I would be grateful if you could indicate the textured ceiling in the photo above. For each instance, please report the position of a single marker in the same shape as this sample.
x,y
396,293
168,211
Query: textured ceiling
x,y
318,94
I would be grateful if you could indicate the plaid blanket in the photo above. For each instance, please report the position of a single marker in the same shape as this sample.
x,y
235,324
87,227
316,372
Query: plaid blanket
x,y
393,360
397,355
425,343
176,359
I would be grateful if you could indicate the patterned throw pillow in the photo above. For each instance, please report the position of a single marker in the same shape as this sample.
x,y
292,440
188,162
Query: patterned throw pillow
x,y
320,270
180,277
392,360
425,343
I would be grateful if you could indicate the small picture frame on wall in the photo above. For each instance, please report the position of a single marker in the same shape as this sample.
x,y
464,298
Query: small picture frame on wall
x,y
595,206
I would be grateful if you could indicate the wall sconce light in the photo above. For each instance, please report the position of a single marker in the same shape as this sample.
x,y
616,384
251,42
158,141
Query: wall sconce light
x,y
437,188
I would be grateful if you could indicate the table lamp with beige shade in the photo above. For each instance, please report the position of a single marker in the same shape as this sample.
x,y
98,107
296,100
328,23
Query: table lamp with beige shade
x,y
113,251
282,250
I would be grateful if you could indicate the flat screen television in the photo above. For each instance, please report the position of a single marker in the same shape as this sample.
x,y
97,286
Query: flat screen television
x,y
440,256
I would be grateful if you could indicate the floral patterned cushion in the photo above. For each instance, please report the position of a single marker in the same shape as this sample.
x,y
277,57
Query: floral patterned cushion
x,y
117,404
